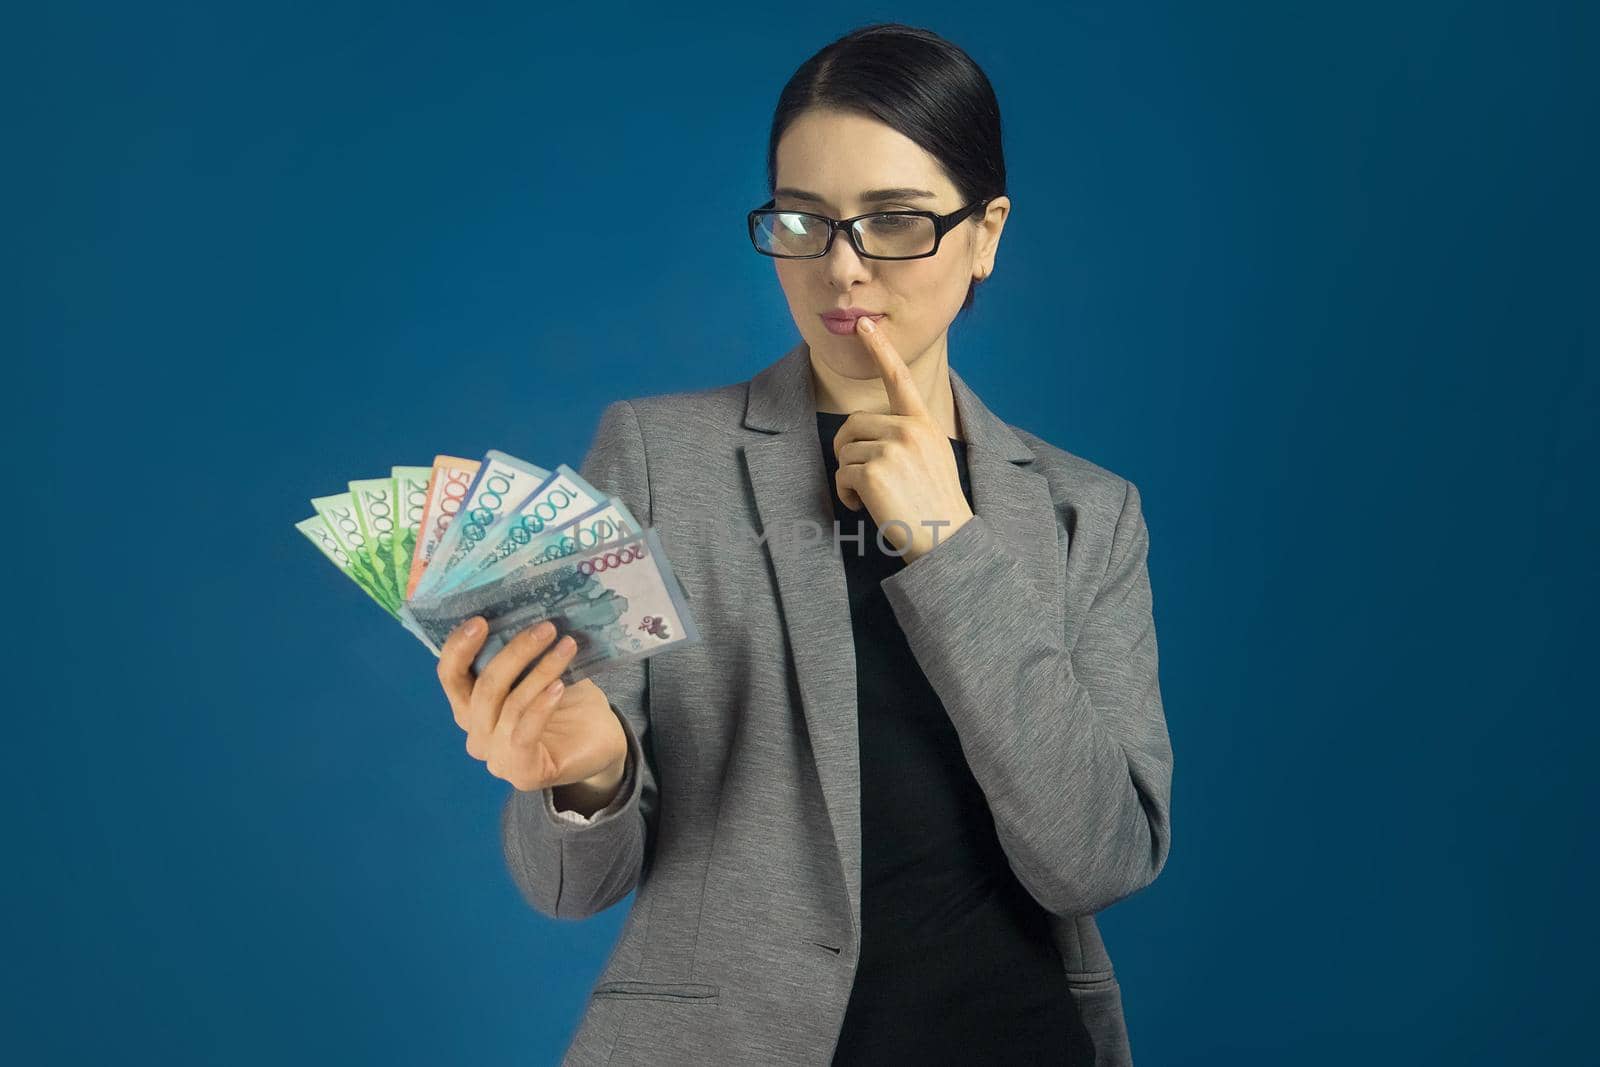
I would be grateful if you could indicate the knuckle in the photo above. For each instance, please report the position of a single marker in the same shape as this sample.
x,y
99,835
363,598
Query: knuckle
x,y
478,713
504,667
545,669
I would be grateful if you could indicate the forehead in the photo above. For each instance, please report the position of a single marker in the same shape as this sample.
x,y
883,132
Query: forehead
x,y
841,155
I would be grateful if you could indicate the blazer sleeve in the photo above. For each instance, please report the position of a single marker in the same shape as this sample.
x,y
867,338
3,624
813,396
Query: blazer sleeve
x,y
570,867
1070,748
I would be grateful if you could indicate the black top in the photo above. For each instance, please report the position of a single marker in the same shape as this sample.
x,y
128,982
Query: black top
x,y
957,962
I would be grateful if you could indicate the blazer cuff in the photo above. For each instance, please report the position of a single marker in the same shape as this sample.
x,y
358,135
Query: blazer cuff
x,y
952,570
966,593
618,802
539,804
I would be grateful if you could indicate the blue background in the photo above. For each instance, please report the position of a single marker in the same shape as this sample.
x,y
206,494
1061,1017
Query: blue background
x,y
1320,280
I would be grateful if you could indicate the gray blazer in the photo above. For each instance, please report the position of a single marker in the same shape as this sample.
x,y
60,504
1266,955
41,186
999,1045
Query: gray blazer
x,y
739,817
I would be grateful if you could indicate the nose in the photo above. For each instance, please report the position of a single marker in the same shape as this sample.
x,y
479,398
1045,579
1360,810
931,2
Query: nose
x,y
843,257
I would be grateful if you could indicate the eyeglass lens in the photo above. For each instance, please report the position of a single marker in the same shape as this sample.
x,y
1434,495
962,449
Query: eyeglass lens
x,y
791,233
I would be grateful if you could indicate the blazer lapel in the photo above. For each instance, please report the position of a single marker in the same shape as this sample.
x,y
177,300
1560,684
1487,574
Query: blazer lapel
x,y
788,481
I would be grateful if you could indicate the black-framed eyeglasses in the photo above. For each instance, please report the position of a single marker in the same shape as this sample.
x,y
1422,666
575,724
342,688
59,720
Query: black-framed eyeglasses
x,y
877,235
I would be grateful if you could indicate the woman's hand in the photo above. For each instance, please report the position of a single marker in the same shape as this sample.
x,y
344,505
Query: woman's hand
x,y
899,464
535,734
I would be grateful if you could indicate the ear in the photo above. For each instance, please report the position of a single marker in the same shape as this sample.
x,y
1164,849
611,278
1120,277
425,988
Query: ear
x,y
987,239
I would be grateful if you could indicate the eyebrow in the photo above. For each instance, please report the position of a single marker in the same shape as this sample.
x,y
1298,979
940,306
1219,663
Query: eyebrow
x,y
872,196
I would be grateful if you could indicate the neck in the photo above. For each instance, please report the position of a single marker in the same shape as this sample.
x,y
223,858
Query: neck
x,y
930,371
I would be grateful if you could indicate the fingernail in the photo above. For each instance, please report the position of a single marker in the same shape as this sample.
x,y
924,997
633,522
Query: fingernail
x,y
866,324
554,687
474,626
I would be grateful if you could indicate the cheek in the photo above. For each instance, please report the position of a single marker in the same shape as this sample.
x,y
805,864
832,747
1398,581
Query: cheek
x,y
790,277
928,286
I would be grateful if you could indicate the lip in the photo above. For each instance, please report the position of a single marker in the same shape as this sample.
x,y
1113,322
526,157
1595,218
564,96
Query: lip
x,y
843,323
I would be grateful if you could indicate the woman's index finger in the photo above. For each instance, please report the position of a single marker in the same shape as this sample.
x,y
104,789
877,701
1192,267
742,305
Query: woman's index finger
x,y
903,396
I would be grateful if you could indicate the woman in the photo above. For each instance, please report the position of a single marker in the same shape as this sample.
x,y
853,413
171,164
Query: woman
x,y
871,813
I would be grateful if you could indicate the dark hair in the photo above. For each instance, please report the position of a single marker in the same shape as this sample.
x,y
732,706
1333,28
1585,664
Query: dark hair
x,y
916,82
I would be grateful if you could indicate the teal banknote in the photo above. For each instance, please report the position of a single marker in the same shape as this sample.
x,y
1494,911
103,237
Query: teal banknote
x,y
502,483
619,600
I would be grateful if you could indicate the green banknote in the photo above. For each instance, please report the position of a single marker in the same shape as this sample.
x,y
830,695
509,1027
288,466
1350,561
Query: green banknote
x,y
338,510
321,535
375,511
411,500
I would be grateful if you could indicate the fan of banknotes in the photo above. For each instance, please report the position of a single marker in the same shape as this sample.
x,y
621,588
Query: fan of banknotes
x,y
513,542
